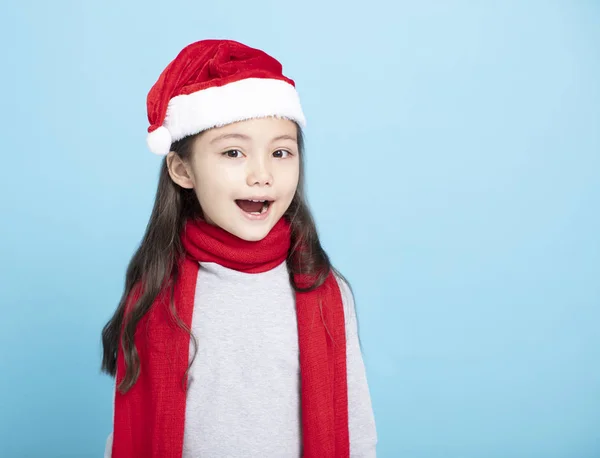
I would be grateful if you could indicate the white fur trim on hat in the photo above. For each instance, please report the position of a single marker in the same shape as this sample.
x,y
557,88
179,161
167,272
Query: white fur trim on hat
x,y
217,106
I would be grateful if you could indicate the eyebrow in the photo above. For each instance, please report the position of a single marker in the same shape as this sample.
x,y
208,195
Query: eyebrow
x,y
245,137
285,137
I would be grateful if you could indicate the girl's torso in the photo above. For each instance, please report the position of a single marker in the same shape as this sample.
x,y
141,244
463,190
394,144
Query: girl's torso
x,y
244,384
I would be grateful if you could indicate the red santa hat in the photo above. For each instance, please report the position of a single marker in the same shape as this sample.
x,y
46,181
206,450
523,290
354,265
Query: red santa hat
x,y
212,83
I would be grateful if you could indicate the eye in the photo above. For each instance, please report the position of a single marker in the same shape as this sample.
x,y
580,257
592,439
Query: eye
x,y
281,153
232,153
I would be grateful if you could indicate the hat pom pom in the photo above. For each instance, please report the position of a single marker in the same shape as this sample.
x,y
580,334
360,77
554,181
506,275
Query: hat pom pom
x,y
159,141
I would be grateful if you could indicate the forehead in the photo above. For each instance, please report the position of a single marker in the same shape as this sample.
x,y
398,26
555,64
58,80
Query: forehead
x,y
259,130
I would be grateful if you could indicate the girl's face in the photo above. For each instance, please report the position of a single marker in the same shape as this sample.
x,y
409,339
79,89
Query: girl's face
x,y
245,174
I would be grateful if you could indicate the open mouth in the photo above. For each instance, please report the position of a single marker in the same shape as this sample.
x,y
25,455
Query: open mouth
x,y
254,207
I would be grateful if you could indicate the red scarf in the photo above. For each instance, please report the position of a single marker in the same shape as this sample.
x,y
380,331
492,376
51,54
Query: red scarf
x,y
149,419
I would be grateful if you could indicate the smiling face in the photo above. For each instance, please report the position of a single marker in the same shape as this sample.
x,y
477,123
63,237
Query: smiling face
x,y
244,174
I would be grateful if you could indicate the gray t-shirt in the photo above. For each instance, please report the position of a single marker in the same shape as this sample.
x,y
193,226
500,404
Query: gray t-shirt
x,y
244,384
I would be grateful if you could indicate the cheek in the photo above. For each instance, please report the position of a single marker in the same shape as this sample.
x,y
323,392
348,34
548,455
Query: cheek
x,y
290,179
210,184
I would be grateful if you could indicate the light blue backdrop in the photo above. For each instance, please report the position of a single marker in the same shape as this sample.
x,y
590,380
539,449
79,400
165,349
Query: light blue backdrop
x,y
453,168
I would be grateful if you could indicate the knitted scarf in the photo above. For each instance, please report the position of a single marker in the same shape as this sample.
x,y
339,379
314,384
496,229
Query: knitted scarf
x,y
149,419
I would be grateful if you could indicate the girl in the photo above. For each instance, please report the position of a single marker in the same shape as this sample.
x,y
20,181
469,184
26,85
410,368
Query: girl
x,y
234,336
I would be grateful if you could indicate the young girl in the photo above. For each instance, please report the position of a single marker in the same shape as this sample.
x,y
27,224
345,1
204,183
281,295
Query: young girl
x,y
234,336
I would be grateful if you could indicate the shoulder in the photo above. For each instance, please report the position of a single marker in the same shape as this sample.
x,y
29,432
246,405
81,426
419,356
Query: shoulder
x,y
347,295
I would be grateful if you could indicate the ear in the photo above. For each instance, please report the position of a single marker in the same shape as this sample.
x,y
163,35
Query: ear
x,y
179,170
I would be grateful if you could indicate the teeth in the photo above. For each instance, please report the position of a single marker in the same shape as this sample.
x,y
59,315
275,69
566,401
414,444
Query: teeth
x,y
266,203
262,210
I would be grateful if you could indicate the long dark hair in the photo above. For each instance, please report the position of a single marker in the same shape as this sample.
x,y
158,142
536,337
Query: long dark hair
x,y
155,263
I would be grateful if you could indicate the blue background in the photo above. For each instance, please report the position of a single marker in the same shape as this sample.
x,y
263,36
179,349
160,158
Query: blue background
x,y
453,169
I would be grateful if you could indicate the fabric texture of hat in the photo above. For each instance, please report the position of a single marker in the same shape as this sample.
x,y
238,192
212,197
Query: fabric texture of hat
x,y
212,83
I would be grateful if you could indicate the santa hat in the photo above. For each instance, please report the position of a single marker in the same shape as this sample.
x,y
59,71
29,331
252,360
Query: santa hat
x,y
212,83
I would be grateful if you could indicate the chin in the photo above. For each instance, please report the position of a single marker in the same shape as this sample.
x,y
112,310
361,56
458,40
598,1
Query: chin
x,y
249,231
252,234
252,237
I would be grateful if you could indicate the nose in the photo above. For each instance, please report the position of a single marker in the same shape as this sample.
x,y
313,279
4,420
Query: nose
x,y
259,172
